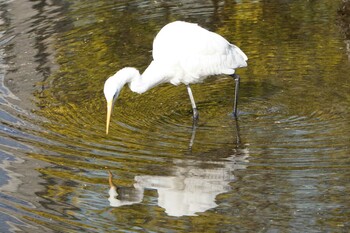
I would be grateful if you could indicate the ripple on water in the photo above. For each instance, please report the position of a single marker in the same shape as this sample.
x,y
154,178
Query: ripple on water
x,y
283,165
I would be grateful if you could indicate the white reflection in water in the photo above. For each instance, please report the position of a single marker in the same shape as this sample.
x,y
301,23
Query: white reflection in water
x,y
191,189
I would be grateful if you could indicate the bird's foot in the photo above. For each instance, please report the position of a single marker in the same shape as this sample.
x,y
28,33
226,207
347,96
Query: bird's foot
x,y
235,115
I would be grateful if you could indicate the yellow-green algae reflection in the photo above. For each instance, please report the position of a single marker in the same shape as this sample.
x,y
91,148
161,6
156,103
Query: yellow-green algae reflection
x,y
293,130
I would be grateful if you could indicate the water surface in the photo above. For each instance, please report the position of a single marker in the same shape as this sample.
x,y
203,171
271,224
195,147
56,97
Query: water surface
x,y
282,167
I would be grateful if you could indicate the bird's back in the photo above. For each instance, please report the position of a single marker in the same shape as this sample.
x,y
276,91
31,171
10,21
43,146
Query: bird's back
x,y
193,53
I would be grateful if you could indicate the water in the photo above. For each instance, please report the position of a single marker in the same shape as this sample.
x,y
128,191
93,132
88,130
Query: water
x,y
283,167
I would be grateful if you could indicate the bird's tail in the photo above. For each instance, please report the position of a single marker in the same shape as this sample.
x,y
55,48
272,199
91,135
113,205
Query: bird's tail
x,y
239,56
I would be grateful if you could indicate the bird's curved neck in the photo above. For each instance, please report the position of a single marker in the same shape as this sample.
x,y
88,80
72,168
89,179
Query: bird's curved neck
x,y
151,77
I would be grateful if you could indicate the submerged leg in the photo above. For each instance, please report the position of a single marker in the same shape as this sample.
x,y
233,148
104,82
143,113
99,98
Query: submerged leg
x,y
237,79
193,135
194,108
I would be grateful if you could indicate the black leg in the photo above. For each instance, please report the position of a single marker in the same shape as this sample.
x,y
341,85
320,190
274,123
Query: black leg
x,y
237,79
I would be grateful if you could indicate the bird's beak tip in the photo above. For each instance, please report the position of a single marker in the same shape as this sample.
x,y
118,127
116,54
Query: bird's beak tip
x,y
109,113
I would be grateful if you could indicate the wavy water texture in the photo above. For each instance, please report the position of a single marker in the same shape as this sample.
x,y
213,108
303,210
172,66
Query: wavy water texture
x,y
283,166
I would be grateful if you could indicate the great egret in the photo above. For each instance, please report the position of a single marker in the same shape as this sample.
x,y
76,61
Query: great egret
x,y
182,53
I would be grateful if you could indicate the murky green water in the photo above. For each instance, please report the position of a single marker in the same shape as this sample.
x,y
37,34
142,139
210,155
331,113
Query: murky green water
x,y
283,167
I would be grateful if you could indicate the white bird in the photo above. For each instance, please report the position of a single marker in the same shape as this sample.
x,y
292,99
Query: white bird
x,y
182,53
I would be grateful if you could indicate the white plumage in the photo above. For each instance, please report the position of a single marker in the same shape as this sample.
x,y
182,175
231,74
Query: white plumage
x,y
182,53
193,53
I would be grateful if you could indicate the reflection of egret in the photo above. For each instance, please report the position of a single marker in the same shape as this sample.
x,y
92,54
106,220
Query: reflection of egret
x,y
123,196
191,188
182,53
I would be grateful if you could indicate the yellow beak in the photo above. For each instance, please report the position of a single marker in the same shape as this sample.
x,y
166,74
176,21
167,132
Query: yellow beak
x,y
110,179
109,113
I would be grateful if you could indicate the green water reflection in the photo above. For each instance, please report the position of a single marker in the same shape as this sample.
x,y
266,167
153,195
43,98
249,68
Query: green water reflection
x,y
284,168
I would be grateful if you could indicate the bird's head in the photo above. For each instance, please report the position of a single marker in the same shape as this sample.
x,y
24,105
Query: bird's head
x,y
111,90
113,86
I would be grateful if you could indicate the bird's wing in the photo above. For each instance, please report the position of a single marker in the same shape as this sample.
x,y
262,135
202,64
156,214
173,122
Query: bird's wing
x,y
197,51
